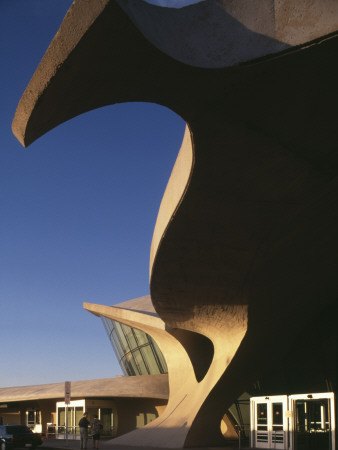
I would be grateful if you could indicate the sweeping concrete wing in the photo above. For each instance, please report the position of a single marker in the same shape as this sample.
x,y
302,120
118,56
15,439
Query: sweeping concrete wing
x,y
245,249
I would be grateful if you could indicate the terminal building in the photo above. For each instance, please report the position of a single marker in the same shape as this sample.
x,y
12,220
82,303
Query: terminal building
x,y
123,404
258,418
242,313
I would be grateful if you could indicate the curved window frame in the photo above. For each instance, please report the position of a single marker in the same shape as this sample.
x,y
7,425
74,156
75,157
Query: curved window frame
x,y
137,352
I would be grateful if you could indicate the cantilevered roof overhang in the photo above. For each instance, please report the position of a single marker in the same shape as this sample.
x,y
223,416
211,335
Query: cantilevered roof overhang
x,y
146,386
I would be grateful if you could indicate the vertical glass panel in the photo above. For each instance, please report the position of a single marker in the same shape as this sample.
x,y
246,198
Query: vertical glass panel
x,y
115,340
106,415
301,416
107,324
132,364
277,414
150,417
160,357
149,357
125,366
78,416
31,418
117,343
262,416
312,424
123,341
277,423
140,420
61,420
141,337
129,335
140,363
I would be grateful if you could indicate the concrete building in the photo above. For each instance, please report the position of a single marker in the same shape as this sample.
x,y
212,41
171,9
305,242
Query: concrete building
x,y
244,257
123,404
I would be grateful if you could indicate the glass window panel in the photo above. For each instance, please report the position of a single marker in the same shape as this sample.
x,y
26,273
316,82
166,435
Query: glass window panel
x,y
62,416
150,417
133,364
149,357
108,324
160,357
140,362
301,417
78,416
125,367
130,365
262,419
117,344
106,415
140,420
31,418
277,413
122,339
129,335
70,419
61,420
141,337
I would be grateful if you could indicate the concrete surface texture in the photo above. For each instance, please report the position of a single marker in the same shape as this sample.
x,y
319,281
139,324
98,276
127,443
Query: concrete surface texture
x,y
74,444
199,379
245,243
153,386
221,33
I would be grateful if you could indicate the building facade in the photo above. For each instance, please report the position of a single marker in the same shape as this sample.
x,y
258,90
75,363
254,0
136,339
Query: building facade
x,y
244,256
122,404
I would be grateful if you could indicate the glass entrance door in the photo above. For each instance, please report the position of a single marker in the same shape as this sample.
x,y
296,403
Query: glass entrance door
x,y
313,424
269,425
297,422
75,412
33,420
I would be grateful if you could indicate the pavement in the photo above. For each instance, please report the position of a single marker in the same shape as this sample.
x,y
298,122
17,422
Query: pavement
x,y
106,444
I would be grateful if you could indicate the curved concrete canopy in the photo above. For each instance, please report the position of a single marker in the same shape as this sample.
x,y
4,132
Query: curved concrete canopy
x,y
222,33
140,304
247,231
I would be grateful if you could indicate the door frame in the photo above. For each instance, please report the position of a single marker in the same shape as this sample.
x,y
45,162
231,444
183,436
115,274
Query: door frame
x,y
325,395
269,400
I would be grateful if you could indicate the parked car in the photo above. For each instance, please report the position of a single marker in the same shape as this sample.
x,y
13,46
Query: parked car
x,y
17,436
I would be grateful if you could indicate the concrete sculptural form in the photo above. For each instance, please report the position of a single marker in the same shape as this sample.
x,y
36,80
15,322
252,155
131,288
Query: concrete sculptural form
x,y
244,257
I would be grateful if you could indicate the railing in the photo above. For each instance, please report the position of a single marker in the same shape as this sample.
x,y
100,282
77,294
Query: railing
x,y
243,432
59,432
54,432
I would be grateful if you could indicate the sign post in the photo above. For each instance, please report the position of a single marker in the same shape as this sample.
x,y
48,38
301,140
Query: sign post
x,y
67,401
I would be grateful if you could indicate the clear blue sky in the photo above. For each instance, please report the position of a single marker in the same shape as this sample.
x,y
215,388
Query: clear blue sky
x,y
78,209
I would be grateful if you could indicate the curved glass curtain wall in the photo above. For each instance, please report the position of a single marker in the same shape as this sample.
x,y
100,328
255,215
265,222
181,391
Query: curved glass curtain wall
x,y
137,352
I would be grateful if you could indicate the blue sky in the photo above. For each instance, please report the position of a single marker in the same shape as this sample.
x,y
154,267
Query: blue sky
x,y
77,210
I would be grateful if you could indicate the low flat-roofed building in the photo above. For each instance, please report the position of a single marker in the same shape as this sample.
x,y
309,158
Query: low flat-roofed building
x,y
122,403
